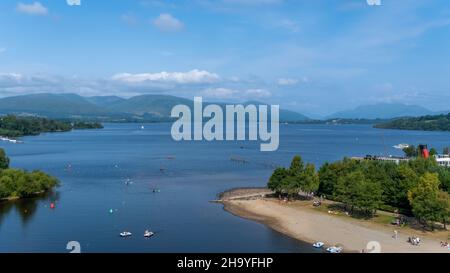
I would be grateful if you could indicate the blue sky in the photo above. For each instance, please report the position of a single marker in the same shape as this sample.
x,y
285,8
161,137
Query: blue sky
x,y
315,57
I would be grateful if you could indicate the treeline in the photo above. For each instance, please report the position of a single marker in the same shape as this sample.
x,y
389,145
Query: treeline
x,y
13,126
81,125
418,186
20,184
425,123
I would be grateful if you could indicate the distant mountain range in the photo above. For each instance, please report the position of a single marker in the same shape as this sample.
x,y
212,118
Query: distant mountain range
x,y
153,108
383,111
144,108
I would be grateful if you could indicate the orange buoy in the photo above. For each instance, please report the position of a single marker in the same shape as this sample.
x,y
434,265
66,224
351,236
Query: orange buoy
x,y
52,205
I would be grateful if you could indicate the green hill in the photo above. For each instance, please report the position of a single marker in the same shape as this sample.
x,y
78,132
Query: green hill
x,y
104,101
155,105
51,105
425,123
142,108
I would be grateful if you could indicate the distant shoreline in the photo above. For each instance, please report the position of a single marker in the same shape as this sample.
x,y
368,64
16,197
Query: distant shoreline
x,y
298,220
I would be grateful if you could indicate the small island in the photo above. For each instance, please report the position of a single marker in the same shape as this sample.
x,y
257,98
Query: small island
x,y
83,125
15,184
425,123
13,126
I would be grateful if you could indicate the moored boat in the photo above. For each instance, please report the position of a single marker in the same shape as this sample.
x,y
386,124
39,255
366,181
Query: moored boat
x,y
148,234
125,234
334,249
318,244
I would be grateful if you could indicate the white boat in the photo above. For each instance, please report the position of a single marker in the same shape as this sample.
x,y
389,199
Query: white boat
x,y
401,146
125,234
142,127
334,249
148,234
318,244
15,141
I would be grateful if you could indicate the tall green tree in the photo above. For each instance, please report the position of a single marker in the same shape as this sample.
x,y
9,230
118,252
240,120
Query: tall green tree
x,y
403,180
423,165
276,180
309,179
444,207
302,178
433,152
358,192
329,174
4,160
424,199
297,166
411,151
347,188
444,178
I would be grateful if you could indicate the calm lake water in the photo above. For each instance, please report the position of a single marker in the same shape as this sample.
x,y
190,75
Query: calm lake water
x,y
94,165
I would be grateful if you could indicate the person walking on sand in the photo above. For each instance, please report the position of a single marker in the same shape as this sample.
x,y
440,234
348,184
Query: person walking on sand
x,y
395,234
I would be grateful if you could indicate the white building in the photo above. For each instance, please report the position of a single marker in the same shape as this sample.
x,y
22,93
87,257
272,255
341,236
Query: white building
x,y
443,160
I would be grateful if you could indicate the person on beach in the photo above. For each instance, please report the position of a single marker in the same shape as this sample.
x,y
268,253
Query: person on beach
x,y
395,234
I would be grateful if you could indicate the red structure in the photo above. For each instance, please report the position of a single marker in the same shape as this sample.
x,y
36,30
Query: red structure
x,y
423,149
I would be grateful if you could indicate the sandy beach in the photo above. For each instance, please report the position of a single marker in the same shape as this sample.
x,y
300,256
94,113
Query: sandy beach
x,y
301,221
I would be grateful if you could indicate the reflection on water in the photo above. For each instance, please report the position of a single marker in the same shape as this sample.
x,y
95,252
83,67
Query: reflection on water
x,y
27,207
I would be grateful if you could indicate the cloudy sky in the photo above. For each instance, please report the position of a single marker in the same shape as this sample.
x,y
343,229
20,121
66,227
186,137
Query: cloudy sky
x,y
315,57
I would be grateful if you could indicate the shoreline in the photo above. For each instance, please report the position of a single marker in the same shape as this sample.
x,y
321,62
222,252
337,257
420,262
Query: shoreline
x,y
300,221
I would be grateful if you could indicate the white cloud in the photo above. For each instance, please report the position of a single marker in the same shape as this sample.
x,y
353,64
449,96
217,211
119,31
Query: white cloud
x,y
10,78
291,81
167,23
187,84
35,8
257,93
191,77
220,93
227,93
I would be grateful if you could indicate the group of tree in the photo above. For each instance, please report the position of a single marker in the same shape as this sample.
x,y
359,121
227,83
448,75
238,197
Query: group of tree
x,y
298,178
16,183
80,125
425,123
14,126
418,186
